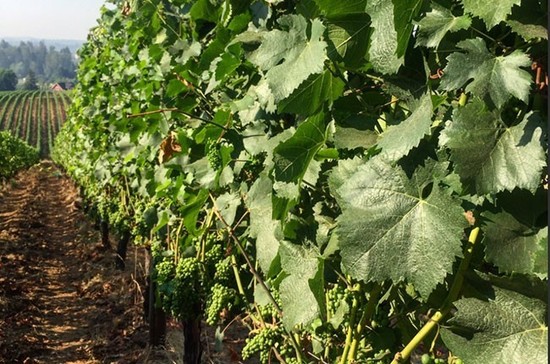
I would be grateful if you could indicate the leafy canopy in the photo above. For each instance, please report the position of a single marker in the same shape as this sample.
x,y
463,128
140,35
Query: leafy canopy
x,y
498,77
391,226
492,156
503,327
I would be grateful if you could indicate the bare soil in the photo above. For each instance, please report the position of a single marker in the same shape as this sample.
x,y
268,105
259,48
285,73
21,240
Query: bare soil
x,y
61,298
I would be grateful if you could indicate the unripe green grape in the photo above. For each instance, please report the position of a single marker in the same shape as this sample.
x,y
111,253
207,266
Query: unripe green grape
x,y
222,271
268,312
221,297
213,155
426,359
335,296
291,361
165,270
262,343
213,254
187,288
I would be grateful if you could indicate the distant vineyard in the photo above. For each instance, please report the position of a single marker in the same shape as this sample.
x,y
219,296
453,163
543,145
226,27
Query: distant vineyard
x,y
34,116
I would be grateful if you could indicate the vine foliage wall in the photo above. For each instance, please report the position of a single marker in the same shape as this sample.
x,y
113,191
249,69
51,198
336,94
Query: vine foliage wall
x,y
364,180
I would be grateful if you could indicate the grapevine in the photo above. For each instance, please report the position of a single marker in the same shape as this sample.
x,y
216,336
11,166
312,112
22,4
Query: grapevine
x,y
362,182
26,115
14,155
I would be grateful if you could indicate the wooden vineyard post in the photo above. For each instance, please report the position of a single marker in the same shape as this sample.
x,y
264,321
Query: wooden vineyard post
x,y
122,248
104,228
192,347
155,315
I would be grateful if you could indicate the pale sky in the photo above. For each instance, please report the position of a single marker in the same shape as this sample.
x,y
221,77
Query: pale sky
x,y
48,19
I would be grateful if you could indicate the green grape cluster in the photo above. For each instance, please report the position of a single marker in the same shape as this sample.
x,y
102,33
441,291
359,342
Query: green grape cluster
x,y
102,207
381,356
262,343
268,312
117,218
335,296
427,359
292,361
220,297
186,300
222,273
139,228
165,270
213,154
380,318
213,254
286,351
218,267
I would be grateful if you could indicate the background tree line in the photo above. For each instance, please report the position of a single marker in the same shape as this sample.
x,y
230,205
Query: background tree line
x,y
43,64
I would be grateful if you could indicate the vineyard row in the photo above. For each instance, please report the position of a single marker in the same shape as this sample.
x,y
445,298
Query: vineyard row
x,y
34,116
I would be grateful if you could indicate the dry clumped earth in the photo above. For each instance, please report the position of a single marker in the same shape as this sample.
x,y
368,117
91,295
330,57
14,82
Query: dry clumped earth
x,y
61,298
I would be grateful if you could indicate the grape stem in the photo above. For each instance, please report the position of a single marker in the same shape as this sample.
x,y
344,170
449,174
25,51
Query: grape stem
x,y
367,314
351,328
446,307
176,110
237,275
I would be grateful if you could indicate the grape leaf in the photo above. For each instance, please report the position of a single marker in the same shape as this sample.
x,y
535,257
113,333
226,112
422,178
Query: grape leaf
x,y
310,96
194,203
302,292
514,246
346,36
354,126
290,57
504,327
227,205
332,8
437,23
204,10
492,13
383,43
389,230
341,173
350,137
528,208
399,139
293,156
540,265
525,284
498,77
528,31
404,12
262,227
491,156
529,20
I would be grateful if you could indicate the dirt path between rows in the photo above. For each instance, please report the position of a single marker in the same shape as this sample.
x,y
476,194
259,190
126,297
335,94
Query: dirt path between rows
x,y
61,300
